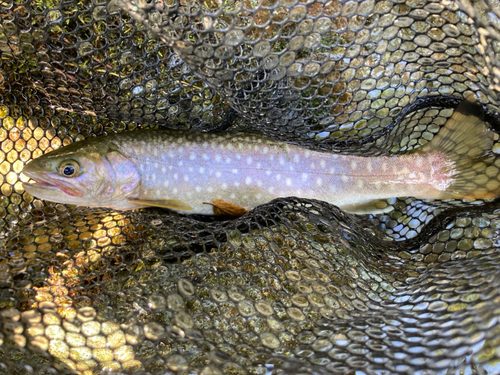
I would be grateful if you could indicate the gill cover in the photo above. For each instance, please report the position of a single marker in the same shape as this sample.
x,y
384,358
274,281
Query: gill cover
x,y
125,175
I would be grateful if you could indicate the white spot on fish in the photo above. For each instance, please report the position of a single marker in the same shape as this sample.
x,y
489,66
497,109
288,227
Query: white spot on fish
x,y
248,181
344,178
181,163
282,160
186,178
224,186
369,166
218,174
296,158
322,163
155,152
259,183
378,185
218,158
384,167
234,170
198,189
202,170
249,160
236,183
210,189
192,156
238,156
163,169
176,176
205,157
319,181
205,144
278,177
268,173
265,150
228,160
354,165
305,176
153,177
166,183
232,196
259,165
174,190
288,182
307,154
360,184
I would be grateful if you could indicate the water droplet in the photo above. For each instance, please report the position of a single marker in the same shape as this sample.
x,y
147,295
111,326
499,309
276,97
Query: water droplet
x,y
177,362
86,314
154,331
185,287
157,301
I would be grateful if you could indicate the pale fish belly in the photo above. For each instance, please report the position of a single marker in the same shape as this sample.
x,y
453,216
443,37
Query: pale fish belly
x,y
250,171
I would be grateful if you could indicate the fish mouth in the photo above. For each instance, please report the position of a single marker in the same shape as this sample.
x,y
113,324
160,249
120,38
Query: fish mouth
x,y
40,183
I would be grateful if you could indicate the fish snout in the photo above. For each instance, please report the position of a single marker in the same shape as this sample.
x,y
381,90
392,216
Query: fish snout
x,y
35,167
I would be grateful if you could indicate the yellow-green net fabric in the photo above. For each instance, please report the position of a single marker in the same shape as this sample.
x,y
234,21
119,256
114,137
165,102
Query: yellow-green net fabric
x,y
295,286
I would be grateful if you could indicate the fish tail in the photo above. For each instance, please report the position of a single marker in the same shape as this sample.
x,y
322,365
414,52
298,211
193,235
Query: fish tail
x,y
467,142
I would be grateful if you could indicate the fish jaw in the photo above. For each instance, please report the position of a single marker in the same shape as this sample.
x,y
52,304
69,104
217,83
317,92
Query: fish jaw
x,y
46,186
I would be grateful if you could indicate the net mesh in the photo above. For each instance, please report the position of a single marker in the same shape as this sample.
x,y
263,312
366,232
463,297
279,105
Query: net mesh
x,y
295,286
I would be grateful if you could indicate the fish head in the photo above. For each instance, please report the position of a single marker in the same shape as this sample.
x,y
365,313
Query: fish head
x,y
88,173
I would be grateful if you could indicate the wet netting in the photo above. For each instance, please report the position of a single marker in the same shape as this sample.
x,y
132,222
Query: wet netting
x,y
295,286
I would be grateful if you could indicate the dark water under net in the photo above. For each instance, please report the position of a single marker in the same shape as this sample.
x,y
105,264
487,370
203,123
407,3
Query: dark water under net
x,y
295,286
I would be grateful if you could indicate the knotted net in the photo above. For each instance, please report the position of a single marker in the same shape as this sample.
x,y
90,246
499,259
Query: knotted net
x,y
295,286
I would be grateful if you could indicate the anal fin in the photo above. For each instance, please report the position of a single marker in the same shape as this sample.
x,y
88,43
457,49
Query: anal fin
x,y
173,204
221,208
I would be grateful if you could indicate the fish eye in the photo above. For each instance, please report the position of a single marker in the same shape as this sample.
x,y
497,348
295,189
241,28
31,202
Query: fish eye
x,y
69,168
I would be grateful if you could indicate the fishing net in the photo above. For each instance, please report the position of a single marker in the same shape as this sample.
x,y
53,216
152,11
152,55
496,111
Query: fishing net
x,y
295,286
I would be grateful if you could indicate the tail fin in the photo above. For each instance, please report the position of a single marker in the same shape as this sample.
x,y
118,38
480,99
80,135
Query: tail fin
x,y
467,142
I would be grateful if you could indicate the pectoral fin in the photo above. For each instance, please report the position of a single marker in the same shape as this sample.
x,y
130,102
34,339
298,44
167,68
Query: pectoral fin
x,y
173,204
221,208
378,206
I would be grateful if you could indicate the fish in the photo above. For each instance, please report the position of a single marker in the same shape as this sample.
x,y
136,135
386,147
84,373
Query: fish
x,y
232,173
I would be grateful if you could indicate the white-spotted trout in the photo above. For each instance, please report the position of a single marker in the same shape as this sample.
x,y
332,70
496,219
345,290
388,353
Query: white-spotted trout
x,y
207,173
